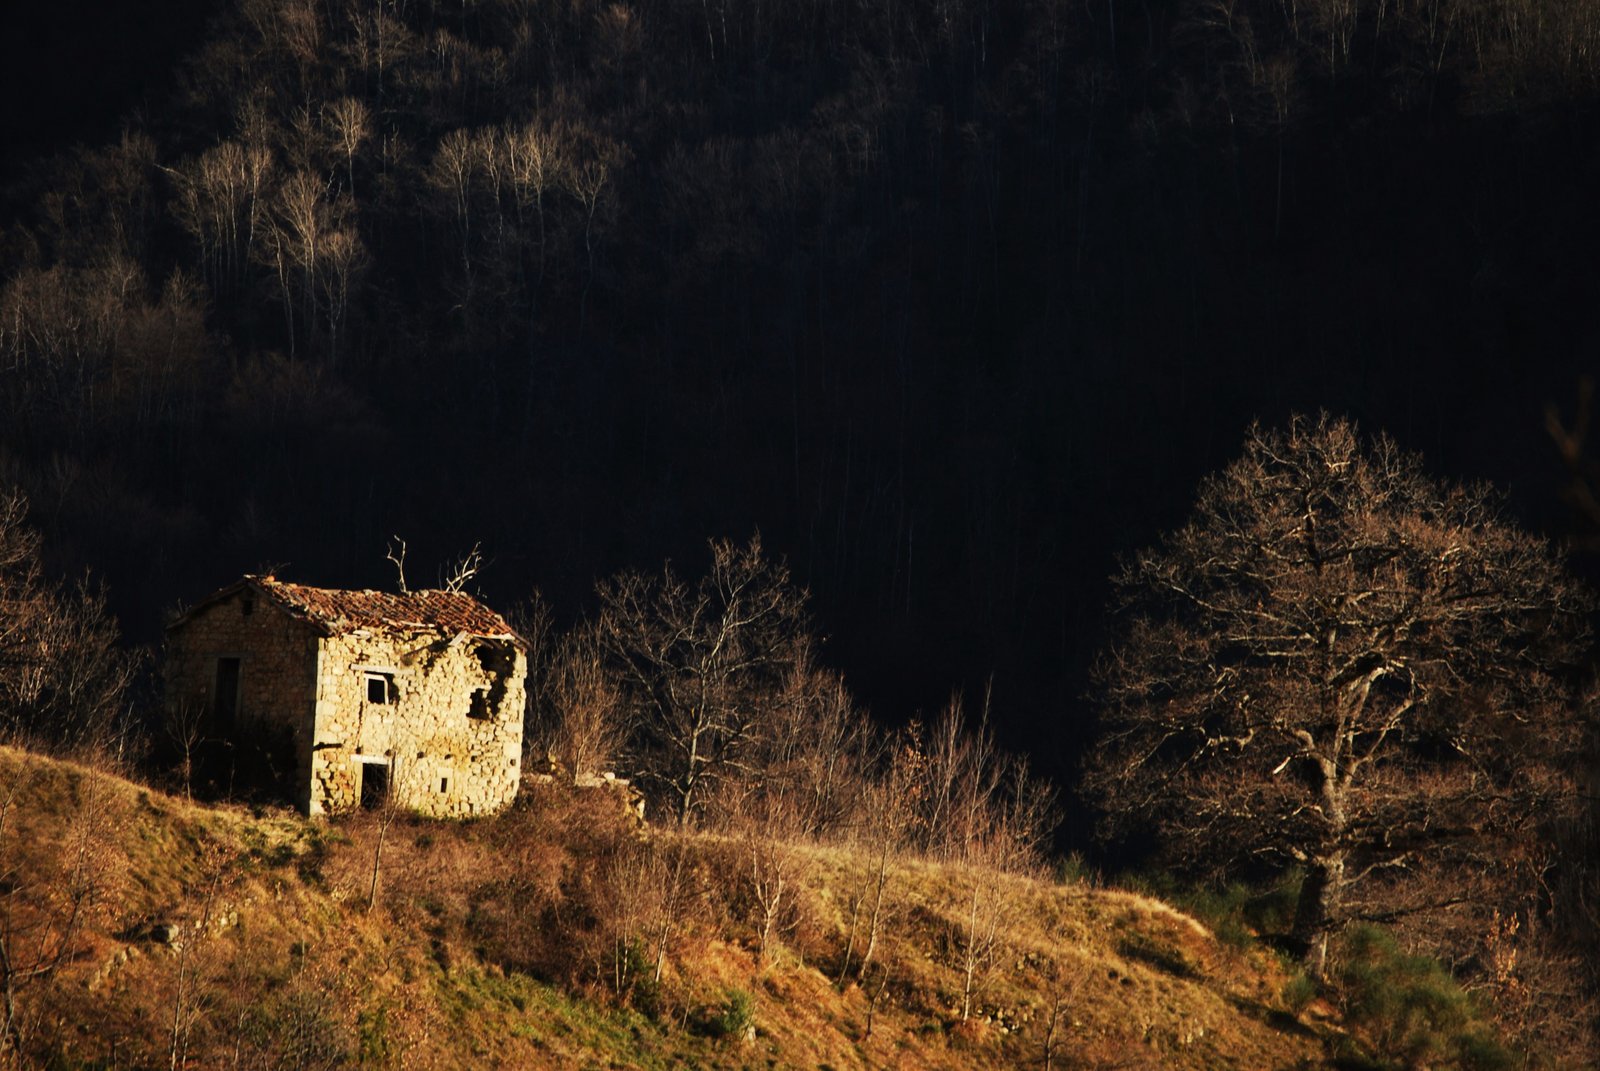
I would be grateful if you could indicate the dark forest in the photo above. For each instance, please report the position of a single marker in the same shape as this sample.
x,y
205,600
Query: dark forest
x,y
952,302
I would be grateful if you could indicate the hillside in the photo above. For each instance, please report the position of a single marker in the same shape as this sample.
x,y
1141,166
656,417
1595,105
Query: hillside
x,y
244,940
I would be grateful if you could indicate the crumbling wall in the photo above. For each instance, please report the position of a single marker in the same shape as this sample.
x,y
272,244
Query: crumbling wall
x,y
447,721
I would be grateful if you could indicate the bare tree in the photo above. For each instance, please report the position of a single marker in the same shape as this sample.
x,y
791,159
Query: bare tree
x,y
218,198
45,903
189,996
1063,976
699,662
62,674
978,936
965,770
1004,832
300,222
818,745
463,570
1342,664
184,725
344,258
977,798
770,825
889,808
587,713
389,808
451,174
990,817
536,161
587,178
634,882
670,877
398,557
350,125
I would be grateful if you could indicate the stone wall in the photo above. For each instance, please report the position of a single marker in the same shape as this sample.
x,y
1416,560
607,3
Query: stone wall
x,y
277,658
444,717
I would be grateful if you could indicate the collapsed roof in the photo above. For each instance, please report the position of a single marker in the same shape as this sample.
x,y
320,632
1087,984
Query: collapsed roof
x,y
333,611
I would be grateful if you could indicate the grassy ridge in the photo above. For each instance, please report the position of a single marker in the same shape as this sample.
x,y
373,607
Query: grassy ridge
x,y
246,937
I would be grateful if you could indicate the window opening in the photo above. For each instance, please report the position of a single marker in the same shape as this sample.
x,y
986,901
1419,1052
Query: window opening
x,y
380,688
479,710
444,784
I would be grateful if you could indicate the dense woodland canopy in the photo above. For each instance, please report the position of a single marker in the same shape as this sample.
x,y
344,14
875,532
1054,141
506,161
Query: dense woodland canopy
x,y
952,300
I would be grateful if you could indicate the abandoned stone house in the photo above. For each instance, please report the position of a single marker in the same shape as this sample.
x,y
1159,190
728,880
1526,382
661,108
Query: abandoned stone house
x,y
418,694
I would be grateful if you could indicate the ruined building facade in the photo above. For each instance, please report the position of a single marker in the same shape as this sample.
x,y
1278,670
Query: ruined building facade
x,y
419,694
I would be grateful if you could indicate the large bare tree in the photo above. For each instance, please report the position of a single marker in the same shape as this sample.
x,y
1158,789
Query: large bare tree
x,y
1341,664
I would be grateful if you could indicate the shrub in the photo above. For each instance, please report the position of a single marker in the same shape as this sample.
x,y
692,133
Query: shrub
x,y
1411,1009
296,1030
1298,991
736,1018
1237,912
1074,869
1224,910
375,1046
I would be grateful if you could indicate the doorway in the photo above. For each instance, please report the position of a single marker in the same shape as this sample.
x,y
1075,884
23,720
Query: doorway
x,y
225,701
374,785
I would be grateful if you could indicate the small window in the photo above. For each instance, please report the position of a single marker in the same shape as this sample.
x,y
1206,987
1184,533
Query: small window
x,y
247,606
444,784
479,710
380,688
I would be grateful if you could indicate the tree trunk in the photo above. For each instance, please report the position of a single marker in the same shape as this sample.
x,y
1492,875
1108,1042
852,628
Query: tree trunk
x,y
850,938
875,918
1317,911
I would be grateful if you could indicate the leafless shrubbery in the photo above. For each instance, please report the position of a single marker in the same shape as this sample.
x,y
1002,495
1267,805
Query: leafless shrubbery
x,y
48,895
544,896
63,678
586,713
715,693
698,665
981,802
709,692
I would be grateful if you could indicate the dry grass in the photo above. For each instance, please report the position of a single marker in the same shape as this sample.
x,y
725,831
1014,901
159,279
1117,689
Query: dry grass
x,y
290,969
1132,973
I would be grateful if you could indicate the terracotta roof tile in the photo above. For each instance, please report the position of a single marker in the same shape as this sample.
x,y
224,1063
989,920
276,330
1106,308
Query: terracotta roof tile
x,y
333,610
437,611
